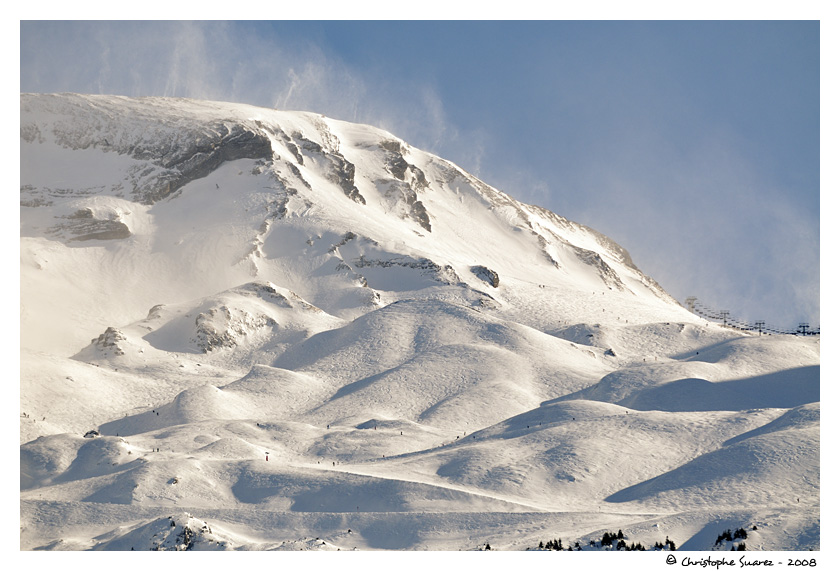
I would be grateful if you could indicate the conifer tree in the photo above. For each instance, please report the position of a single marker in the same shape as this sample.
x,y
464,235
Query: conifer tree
x,y
621,545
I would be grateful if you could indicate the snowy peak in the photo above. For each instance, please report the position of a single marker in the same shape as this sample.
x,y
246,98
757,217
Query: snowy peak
x,y
283,331
320,206
162,145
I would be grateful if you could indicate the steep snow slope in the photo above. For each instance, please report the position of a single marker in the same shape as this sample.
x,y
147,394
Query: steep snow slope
x,y
291,332
177,199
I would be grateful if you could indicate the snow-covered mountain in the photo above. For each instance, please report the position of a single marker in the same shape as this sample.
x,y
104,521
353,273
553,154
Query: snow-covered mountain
x,y
293,332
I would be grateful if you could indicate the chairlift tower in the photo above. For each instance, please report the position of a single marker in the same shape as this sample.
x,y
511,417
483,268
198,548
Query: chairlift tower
x,y
760,326
689,303
803,328
723,315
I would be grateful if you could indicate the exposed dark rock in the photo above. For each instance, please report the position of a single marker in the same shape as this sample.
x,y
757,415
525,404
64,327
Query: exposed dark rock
x,y
308,145
348,236
173,158
183,533
35,202
155,312
297,173
340,171
403,200
544,248
82,225
400,168
185,163
110,340
608,244
393,146
604,270
267,291
486,274
295,151
223,327
420,182
396,165
343,175
444,274
29,199
115,231
421,216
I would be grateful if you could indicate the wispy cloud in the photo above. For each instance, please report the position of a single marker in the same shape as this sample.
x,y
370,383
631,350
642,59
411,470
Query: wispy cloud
x,y
226,61
704,221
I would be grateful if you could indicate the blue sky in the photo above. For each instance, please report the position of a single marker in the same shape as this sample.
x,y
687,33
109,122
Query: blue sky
x,y
696,145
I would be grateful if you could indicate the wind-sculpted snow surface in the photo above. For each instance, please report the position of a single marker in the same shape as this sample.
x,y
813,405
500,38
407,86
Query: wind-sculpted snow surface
x,y
245,329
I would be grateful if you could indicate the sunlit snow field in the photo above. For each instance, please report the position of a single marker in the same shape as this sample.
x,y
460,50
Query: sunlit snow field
x,y
323,338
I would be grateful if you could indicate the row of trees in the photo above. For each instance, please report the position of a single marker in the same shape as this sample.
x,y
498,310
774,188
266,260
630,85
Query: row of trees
x,y
617,542
729,535
733,536
607,542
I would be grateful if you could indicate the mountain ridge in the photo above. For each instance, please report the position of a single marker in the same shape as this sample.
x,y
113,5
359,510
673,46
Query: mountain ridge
x,y
270,310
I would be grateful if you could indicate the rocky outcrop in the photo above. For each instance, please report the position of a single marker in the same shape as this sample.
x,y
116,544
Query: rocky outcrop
x,y
110,341
409,181
444,274
402,200
339,170
199,158
225,327
83,225
169,155
183,532
486,275
604,270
